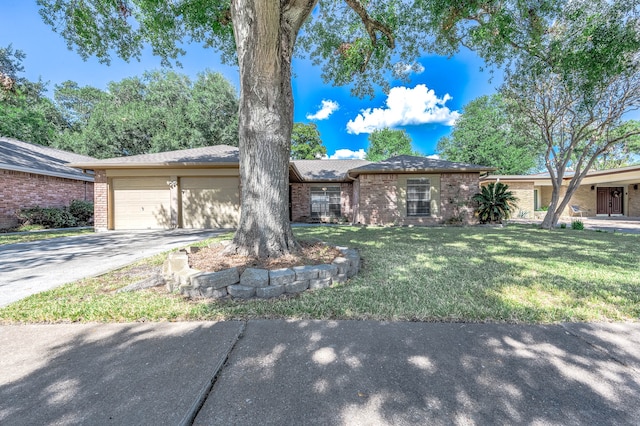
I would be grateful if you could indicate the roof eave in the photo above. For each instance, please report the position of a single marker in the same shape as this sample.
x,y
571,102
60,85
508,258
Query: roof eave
x,y
104,166
82,177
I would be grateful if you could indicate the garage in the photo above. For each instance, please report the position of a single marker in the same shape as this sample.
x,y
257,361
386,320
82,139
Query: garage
x,y
210,202
141,203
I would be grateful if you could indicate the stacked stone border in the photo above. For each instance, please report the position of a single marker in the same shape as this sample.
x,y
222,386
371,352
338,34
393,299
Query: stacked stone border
x,y
254,282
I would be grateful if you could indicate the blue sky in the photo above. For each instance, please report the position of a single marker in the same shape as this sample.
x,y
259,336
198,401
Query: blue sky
x,y
425,107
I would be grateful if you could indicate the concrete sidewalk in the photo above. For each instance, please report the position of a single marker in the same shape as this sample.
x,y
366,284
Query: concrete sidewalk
x,y
272,372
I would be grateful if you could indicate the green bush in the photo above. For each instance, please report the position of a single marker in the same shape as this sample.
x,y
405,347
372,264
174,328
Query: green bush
x,y
82,211
79,213
577,224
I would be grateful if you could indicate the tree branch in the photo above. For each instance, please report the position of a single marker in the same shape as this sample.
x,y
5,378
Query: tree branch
x,y
372,26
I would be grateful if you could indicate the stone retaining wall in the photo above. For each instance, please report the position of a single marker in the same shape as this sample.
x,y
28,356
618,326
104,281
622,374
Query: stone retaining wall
x,y
255,282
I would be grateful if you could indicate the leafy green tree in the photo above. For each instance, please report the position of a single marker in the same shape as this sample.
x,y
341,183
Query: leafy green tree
x,y
306,143
486,134
356,41
76,103
387,143
622,154
576,90
162,111
25,112
495,203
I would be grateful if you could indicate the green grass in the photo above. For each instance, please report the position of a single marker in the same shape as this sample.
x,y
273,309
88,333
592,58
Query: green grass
x,y
474,274
41,235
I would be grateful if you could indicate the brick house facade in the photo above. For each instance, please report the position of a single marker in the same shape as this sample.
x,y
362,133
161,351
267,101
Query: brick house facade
x,y
37,176
403,190
378,193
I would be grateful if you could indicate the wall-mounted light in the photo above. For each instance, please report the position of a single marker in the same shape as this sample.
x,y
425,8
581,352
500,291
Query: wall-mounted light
x,y
593,187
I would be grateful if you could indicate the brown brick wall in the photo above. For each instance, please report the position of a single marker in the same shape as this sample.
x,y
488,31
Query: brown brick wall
x,y
380,199
301,200
456,191
100,204
23,190
378,203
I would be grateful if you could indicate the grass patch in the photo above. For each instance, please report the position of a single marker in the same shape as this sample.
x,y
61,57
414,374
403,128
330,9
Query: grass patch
x,y
41,235
475,274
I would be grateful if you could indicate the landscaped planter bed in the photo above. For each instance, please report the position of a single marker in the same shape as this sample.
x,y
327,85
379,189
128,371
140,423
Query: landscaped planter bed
x,y
245,283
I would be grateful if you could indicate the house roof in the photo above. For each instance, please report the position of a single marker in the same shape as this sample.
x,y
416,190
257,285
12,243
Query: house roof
x,y
38,159
323,170
209,155
621,175
412,164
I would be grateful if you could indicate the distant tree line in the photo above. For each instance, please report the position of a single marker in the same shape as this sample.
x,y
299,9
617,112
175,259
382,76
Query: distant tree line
x,y
160,111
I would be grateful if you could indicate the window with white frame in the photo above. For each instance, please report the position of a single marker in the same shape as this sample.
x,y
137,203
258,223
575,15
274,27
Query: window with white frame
x,y
418,197
325,202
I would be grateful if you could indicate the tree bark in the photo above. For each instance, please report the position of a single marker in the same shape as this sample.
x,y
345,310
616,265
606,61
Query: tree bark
x,y
265,33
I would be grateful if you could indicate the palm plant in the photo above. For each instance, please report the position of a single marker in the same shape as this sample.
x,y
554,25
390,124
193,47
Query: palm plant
x,y
495,203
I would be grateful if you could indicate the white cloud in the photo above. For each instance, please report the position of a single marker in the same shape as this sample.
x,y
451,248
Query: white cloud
x,y
405,106
347,154
326,109
434,156
403,69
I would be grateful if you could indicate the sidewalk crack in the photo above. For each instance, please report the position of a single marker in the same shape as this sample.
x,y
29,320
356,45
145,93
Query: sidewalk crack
x,y
191,415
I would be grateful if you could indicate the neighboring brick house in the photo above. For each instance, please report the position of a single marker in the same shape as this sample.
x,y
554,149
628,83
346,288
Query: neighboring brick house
x,y
34,175
200,188
613,192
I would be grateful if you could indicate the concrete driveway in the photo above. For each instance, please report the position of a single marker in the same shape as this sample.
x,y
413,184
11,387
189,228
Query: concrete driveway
x,y
29,268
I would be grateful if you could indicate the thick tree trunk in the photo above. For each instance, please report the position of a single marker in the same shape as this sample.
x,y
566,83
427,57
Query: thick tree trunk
x,y
265,32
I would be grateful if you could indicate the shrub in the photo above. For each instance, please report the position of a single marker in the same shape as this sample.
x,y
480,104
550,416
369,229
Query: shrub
x,y
563,226
495,203
82,211
577,224
79,213
49,217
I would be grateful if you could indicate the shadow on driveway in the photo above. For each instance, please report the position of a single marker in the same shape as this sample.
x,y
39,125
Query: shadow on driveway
x,y
32,267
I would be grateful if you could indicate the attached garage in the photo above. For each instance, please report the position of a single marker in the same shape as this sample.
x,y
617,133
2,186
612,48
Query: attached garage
x,y
210,202
191,188
141,203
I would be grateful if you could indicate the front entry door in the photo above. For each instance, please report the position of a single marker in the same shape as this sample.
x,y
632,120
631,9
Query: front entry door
x,y
610,200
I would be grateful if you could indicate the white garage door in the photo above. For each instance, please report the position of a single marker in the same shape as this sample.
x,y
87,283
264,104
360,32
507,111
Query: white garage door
x,y
210,202
141,203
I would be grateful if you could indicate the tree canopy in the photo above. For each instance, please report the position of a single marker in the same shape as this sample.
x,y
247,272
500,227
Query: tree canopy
x,y
487,134
387,143
575,91
25,112
161,111
306,143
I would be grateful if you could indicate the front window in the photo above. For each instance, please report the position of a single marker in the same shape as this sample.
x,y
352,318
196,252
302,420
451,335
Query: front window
x,y
325,202
418,197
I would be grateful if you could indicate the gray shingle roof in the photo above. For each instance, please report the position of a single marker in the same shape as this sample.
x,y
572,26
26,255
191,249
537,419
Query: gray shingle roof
x,y
408,163
32,158
216,154
326,170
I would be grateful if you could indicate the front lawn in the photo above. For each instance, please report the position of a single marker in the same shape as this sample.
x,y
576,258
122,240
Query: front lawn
x,y
512,274
24,237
